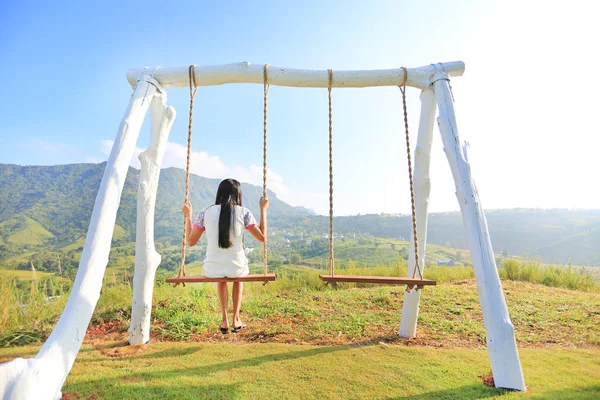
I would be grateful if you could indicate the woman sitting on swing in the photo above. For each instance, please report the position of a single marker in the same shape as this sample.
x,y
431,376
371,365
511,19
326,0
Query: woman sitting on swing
x,y
224,223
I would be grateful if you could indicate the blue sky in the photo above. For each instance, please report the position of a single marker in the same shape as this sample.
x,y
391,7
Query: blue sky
x,y
526,102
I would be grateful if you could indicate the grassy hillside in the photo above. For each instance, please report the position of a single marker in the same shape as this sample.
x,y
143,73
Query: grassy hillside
x,y
61,197
47,209
371,252
26,276
557,236
26,231
552,236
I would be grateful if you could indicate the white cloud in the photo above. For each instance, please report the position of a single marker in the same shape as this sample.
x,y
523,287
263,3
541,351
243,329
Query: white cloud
x,y
200,162
203,164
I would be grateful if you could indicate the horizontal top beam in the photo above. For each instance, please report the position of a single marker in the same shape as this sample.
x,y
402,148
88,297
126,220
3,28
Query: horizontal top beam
x,y
246,72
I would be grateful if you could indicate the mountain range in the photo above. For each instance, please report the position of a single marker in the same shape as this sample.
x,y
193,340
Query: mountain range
x,y
50,206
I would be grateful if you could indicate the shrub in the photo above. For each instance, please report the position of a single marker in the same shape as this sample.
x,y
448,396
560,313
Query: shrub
x,y
564,277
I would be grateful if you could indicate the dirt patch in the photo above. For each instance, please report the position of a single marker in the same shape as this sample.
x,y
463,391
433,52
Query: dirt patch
x,y
105,328
280,332
124,351
463,282
383,336
107,332
488,380
106,336
76,395
70,396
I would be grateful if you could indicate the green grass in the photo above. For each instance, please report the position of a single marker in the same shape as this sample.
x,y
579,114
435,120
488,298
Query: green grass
x,y
378,251
77,244
122,263
26,231
25,275
13,262
240,371
119,232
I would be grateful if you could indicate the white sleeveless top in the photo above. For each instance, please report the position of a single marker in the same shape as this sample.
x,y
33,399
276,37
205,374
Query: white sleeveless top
x,y
231,262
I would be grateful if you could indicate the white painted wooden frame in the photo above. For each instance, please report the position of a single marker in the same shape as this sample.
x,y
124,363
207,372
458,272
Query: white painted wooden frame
x,y
500,338
500,335
43,376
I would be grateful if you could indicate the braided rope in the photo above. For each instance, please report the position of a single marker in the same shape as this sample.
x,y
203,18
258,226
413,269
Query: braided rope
x,y
193,90
331,249
266,87
410,177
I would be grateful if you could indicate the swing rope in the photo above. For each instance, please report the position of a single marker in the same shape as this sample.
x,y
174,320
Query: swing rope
x,y
193,90
417,267
410,179
331,258
266,87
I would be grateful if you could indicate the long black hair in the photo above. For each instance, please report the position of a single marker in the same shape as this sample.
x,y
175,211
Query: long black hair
x,y
229,195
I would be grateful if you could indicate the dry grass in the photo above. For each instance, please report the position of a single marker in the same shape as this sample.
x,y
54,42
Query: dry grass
x,y
450,317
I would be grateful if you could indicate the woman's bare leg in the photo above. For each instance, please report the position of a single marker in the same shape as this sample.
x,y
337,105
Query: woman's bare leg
x,y
238,288
224,300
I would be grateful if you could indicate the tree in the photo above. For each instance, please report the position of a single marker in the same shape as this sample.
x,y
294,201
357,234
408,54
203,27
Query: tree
x,y
295,258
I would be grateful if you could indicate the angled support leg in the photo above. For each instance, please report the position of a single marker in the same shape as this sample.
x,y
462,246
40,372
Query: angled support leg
x,y
500,336
43,376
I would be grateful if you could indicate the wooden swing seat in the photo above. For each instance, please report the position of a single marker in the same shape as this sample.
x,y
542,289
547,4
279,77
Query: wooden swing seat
x,y
201,278
386,280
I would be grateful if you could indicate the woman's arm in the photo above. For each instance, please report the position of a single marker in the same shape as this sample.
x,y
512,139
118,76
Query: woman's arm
x,y
260,232
192,235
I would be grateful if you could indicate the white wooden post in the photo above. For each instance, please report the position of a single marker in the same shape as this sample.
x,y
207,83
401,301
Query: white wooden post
x,y
500,336
147,259
422,185
42,377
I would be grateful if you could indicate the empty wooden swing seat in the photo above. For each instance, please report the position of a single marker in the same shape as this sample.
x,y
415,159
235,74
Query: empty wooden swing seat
x,y
385,280
201,278
413,282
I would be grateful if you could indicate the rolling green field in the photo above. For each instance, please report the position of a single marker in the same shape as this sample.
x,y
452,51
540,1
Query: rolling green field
x,y
25,230
22,275
75,245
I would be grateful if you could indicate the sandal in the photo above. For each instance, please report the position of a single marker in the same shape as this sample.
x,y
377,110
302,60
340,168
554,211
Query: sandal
x,y
224,331
236,329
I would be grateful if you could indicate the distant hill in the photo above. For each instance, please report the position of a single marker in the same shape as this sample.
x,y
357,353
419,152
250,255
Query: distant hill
x,y
60,199
50,207
556,236
553,236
